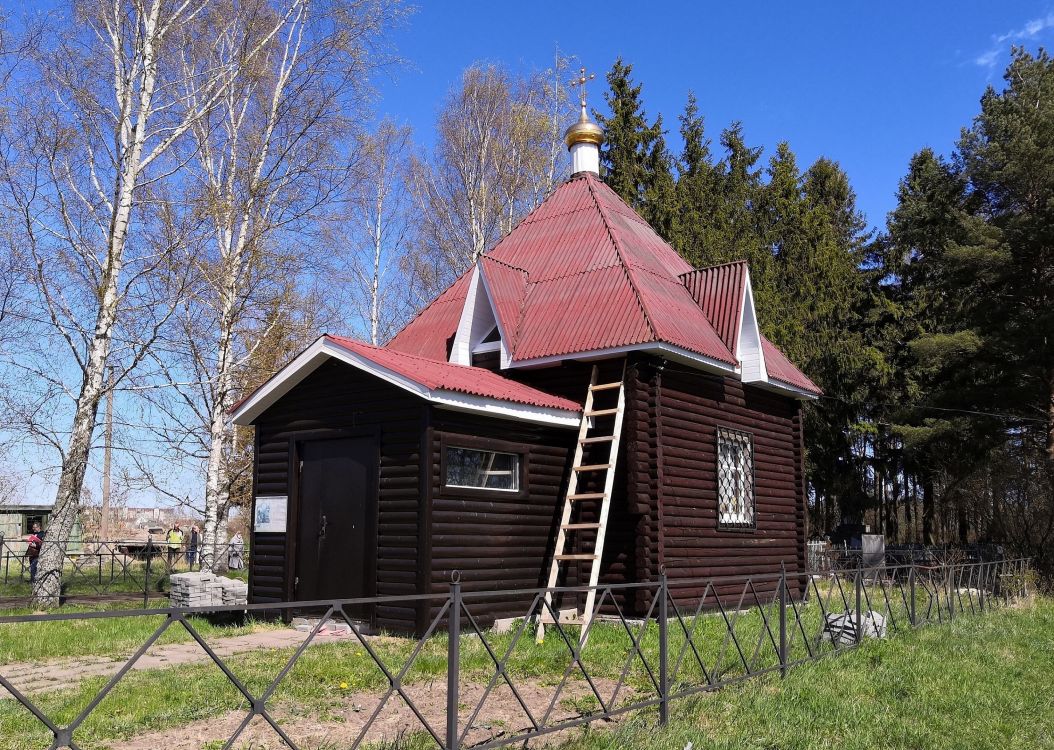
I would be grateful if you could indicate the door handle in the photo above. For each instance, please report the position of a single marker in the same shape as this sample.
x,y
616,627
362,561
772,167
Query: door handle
x,y
322,527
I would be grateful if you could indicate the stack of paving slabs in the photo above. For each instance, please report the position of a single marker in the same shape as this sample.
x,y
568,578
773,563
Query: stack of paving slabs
x,y
233,591
205,589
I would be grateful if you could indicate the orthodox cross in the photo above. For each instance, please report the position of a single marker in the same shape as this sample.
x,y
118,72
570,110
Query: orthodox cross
x,y
581,80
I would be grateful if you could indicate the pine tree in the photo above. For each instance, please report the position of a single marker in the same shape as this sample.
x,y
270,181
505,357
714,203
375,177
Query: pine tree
x,y
734,232
1008,157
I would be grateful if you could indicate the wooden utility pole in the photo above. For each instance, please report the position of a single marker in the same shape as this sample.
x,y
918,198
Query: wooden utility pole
x,y
104,513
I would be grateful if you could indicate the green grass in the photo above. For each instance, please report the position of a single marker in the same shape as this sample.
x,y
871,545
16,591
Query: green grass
x,y
984,676
110,578
114,637
979,682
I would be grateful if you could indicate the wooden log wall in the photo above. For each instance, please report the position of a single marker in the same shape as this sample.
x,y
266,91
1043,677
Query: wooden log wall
x,y
687,408
337,399
495,540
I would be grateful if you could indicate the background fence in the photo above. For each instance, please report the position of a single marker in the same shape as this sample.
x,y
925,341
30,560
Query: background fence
x,y
697,635
134,570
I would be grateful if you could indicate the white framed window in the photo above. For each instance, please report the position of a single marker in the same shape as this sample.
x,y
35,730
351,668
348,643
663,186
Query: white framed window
x,y
735,478
478,469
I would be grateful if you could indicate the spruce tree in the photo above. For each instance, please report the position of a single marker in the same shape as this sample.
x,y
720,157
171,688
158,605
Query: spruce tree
x,y
659,203
696,189
633,158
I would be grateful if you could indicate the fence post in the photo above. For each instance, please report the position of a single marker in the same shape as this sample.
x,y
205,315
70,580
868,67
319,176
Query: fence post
x,y
453,662
783,620
146,581
911,601
982,581
859,613
664,677
951,591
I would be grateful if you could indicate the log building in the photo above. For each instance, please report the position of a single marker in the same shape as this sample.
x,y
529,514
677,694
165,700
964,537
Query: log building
x,y
463,444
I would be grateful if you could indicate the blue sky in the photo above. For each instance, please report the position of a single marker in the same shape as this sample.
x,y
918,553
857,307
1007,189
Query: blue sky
x,y
866,84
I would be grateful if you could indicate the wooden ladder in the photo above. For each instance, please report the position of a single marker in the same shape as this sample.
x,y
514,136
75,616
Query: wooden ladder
x,y
588,434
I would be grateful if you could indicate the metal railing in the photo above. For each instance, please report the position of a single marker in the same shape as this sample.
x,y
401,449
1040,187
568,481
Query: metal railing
x,y
131,569
692,636
825,556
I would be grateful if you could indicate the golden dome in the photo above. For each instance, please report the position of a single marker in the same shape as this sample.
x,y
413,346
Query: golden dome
x,y
584,131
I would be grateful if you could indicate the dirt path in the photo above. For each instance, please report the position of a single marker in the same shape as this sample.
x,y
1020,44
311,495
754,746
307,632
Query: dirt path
x,y
37,677
341,725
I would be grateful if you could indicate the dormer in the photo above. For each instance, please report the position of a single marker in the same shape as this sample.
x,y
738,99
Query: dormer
x,y
479,332
726,297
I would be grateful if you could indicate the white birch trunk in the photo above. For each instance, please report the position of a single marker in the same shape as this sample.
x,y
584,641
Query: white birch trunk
x,y
133,128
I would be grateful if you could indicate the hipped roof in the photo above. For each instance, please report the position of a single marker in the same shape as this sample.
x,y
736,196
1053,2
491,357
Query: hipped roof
x,y
583,272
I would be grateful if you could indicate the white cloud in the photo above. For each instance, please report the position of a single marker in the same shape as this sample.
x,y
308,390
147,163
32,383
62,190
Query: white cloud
x,y
1030,30
987,60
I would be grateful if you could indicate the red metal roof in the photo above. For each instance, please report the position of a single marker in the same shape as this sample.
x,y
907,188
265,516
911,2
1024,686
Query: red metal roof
x,y
444,376
594,276
718,290
584,272
782,369
428,333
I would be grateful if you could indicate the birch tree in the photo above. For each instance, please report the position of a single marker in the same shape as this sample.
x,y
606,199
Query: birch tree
x,y
495,159
268,159
375,232
89,155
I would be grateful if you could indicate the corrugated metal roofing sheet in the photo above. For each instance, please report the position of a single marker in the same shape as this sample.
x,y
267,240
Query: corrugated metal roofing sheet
x,y
508,287
583,312
585,272
782,369
582,251
427,334
474,381
719,292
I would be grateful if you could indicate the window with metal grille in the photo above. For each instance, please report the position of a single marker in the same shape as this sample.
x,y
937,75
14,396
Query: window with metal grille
x,y
735,478
482,469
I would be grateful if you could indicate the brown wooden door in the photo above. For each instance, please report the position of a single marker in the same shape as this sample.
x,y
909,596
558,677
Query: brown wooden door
x,y
336,543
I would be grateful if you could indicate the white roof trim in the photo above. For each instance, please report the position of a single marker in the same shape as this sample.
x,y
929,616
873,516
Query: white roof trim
x,y
506,355
311,358
478,318
669,351
748,348
786,389
461,349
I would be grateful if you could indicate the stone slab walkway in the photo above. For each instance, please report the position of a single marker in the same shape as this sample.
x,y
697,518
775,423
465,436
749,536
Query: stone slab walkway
x,y
37,677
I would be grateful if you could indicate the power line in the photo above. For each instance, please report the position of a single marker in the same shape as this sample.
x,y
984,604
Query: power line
x,y
972,412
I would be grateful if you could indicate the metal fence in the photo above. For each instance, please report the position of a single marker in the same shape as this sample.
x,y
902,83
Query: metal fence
x,y
124,569
695,635
825,556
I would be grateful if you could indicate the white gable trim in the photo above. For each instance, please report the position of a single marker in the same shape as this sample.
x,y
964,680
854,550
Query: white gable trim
x,y
478,318
748,347
506,355
311,358
671,352
461,349
786,389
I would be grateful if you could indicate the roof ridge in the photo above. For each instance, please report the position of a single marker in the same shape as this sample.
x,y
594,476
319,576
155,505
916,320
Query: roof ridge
x,y
716,266
523,301
505,263
633,214
622,257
